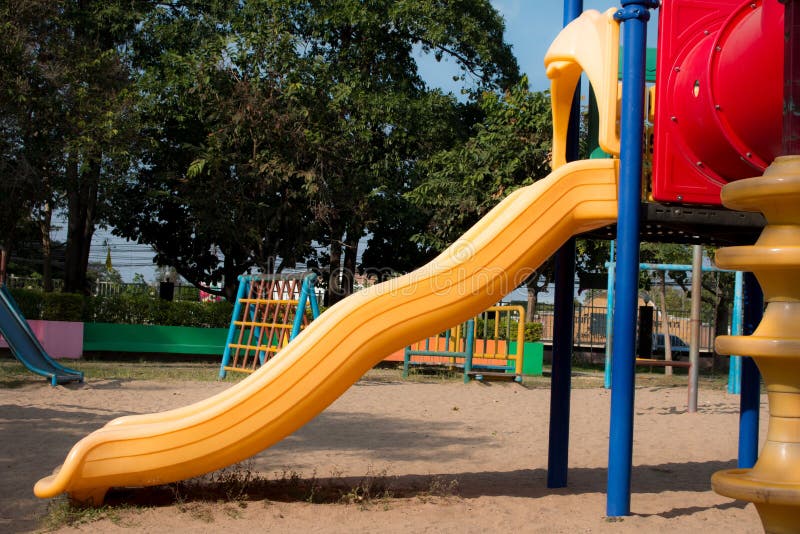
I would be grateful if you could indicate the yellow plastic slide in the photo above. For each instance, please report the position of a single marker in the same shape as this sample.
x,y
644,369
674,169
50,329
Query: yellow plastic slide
x,y
486,263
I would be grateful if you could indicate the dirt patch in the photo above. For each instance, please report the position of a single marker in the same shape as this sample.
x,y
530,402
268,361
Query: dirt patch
x,y
394,456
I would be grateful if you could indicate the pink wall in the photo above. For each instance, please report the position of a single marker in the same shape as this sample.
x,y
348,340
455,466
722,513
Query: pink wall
x,y
61,339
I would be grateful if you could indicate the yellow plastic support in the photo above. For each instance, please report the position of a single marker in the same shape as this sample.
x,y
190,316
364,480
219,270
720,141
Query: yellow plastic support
x,y
588,44
773,484
489,348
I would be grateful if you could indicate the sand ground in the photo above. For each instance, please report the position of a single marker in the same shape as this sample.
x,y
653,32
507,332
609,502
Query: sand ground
x,y
454,458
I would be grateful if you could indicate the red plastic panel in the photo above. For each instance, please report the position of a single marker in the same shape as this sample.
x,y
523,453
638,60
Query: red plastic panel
x,y
719,89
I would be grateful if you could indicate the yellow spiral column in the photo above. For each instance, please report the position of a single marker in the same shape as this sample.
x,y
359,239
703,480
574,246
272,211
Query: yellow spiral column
x,y
773,484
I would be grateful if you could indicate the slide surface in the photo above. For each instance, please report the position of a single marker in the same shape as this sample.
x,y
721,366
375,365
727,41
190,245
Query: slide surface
x,y
486,263
26,348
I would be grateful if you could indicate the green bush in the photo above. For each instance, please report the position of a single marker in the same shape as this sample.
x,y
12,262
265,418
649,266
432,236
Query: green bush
x,y
485,328
36,304
126,308
131,308
29,301
63,307
533,331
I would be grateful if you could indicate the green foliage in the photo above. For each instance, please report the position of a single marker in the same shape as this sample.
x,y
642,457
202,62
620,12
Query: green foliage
x,y
126,308
533,331
30,302
67,129
142,309
510,148
63,307
269,124
230,135
100,272
507,330
664,253
37,304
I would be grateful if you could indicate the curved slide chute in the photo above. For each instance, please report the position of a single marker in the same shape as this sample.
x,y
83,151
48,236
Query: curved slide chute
x,y
26,347
486,263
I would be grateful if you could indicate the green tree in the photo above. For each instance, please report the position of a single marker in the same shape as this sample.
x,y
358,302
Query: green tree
x,y
31,115
67,120
271,123
380,118
219,189
510,148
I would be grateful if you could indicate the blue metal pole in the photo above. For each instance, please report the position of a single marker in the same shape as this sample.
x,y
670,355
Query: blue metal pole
x,y
312,296
634,16
609,314
469,350
237,310
680,267
306,295
750,399
677,267
735,362
561,369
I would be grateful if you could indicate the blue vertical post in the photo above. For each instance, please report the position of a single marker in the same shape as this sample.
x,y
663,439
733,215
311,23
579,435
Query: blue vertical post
x,y
561,370
735,362
469,349
750,399
634,15
306,295
237,310
612,267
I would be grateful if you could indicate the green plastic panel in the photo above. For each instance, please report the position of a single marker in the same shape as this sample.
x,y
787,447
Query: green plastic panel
x,y
532,356
650,65
150,338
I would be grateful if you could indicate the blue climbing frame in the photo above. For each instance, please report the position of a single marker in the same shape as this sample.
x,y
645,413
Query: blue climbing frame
x,y
307,297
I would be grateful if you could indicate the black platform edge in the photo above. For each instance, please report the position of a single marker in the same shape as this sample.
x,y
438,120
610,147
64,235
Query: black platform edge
x,y
693,225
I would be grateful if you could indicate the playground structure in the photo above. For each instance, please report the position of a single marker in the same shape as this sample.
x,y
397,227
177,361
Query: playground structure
x,y
491,344
528,226
644,356
269,312
26,347
23,343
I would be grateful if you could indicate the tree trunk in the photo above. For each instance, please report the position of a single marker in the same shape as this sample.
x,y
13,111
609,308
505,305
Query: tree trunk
x,y
665,324
533,298
535,284
3,264
334,292
45,224
82,203
350,260
231,282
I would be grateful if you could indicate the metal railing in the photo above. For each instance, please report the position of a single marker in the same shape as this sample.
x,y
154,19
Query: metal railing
x,y
589,327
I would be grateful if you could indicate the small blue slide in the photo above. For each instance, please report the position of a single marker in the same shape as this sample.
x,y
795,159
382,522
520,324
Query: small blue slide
x,y
26,348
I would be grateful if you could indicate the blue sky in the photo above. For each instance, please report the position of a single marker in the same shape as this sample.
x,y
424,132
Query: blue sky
x,y
531,25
